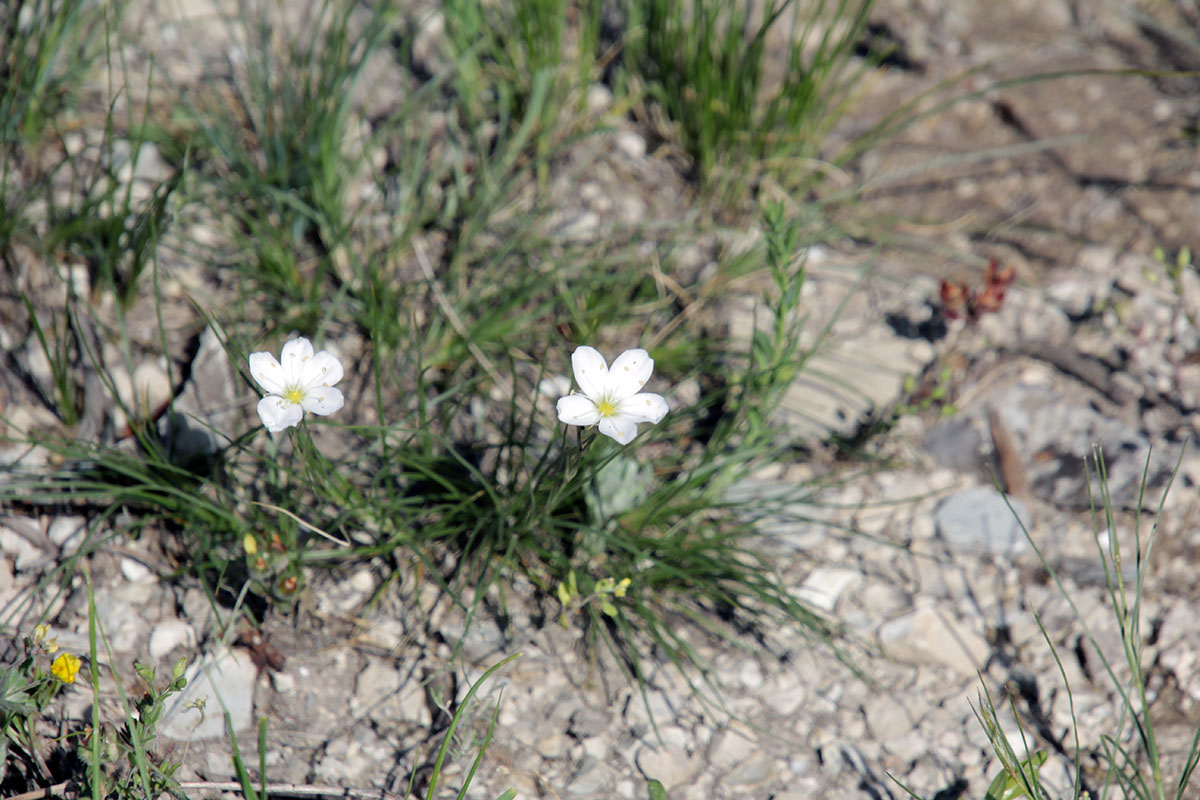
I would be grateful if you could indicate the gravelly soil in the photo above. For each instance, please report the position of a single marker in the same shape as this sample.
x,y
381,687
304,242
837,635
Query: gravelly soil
x,y
1073,181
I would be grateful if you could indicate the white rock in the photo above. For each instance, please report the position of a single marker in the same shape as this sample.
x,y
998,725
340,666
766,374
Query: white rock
x,y
733,746
784,693
362,580
555,386
379,680
1096,259
579,227
599,97
824,585
429,43
412,706
151,386
25,556
283,683
168,635
750,674
118,613
66,532
551,746
850,378
7,585
630,143
136,572
209,409
223,680
385,632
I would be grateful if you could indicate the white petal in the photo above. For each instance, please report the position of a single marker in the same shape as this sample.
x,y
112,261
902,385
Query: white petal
x,y
278,414
644,407
323,400
623,429
321,370
295,355
630,372
268,373
575,409
591,371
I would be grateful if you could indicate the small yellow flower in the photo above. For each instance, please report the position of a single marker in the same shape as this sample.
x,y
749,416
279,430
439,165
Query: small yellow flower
x,y
66,667
250,544
39,638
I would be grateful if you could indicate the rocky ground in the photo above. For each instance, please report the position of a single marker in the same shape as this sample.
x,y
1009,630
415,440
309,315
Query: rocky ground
x,y
918,555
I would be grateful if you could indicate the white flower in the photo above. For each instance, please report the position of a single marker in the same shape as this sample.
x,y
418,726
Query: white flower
x,y
303,382
612,396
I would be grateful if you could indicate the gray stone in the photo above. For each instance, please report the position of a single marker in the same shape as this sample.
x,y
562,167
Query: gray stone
x,y
1079,292
119,611
848,381
784,692
588,722
1061,424
757,768
593,778
954,443
978,520
929,636
733,746
207,414
481,641
377,682
669,764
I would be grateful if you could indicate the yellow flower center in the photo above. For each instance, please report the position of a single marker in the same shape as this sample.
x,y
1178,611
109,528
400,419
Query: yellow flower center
x,y
607,408
293,395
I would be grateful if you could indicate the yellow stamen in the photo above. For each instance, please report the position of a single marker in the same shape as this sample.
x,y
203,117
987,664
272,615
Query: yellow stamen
x,y
293,396
607,408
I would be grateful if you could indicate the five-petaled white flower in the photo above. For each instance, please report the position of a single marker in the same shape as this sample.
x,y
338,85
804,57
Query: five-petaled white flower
x,y
303,382
612,396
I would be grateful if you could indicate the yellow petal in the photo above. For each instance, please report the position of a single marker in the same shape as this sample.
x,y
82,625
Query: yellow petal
x,y
65,667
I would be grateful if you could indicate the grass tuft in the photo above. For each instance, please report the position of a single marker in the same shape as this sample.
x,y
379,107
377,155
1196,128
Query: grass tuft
x,y
742,111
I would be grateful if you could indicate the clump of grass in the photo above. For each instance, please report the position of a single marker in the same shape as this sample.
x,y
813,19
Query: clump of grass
x,y
500,490
281,143
47,50
65,152
706,63
49,47
522,64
